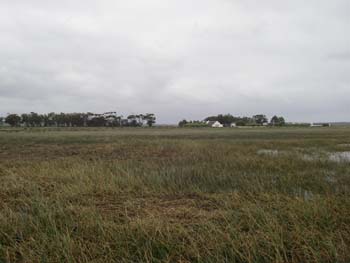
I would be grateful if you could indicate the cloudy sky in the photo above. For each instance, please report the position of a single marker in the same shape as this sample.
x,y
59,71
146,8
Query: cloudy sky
x,y
177,58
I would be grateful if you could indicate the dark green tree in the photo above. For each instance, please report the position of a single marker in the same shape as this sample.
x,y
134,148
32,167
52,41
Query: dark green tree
x,y
260,119
274,121
76,119
132,120
150,119
183,123
13,120
282,121
25,118
277,121
35,119
98,121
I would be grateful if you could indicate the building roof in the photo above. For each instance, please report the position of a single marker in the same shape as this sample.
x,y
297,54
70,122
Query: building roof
x,y
210,123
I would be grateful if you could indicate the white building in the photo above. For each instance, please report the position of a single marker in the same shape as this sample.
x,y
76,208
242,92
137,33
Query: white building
x,y
215,124
320,125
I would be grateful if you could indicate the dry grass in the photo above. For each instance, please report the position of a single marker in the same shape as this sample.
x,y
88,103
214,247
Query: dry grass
x,y
173,195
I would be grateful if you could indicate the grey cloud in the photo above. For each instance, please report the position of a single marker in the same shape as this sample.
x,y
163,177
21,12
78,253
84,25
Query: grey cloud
x,y
179,59
342,57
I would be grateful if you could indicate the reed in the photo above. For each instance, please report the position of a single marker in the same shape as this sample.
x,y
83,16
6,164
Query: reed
x,y
174,195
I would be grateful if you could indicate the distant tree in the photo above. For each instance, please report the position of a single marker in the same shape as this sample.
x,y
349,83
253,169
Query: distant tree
x,y
59,119
76,119
212,118
248,120
35,119
150,119
45,120
282,121
118,120
140,119
196,124
124,122
132,119
241,123
80,119
112,119
13,120
274,121
260,119
98,121
25,119
183,123
227,119
68,119
277,121
50,119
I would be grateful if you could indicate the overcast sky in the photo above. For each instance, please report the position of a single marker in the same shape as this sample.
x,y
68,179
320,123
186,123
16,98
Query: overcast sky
x,y
177,58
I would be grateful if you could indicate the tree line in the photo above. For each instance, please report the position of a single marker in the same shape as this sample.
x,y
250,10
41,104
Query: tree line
x,y
228,119
89,119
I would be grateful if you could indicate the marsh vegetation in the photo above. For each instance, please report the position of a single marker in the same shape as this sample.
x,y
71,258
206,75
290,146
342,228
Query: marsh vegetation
x,y
174,195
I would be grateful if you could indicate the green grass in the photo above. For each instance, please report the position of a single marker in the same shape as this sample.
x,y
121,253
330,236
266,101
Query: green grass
x,y
173,195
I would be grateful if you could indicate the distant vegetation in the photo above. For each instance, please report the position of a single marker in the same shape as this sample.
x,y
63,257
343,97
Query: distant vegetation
x,y
78,120
228,119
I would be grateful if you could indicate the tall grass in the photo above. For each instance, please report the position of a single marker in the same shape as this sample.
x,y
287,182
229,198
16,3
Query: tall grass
x,y
173,195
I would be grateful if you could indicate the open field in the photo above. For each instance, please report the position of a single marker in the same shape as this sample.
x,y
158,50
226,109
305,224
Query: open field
x,y
175,195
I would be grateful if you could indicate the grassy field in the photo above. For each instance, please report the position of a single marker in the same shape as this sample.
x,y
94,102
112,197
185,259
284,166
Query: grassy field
x,y
174,195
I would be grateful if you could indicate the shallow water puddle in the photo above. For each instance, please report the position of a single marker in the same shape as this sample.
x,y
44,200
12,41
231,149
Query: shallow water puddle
x,y
268,152
317,156
344,145
339,157
322,155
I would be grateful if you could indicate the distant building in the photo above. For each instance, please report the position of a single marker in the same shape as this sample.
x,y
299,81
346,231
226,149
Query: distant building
x,y
233,125
214,124
320,124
